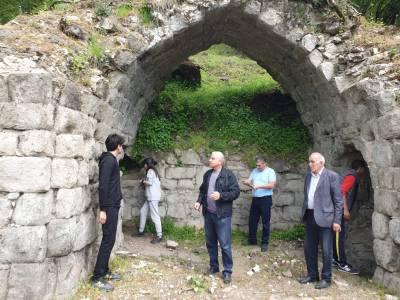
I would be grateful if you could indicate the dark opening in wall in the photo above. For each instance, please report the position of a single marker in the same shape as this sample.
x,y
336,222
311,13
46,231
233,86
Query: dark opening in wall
x,y
359,237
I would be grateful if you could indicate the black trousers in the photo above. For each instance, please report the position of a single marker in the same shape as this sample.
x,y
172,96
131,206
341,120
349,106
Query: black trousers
x,y
260,207
107,243
314,236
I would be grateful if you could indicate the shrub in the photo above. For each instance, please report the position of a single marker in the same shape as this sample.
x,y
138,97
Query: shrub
x,y
123,10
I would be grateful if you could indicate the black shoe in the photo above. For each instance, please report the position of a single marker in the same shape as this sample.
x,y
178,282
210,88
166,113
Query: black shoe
x,y
346,268
156,240
139,233
307,279
335,263
264,247
250,243
323,284
227,278
212,271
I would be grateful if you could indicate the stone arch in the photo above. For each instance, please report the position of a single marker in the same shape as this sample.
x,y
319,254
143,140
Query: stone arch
x,y
54,128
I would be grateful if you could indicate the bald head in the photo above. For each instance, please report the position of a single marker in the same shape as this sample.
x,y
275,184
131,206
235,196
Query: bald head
x,y
316,161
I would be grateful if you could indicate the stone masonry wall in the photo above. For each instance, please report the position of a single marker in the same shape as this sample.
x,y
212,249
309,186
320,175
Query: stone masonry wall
x,y
48,189
181,181
52,128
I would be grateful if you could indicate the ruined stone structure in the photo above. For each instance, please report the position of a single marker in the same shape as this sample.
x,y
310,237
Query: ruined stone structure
x,y
180,184
52,129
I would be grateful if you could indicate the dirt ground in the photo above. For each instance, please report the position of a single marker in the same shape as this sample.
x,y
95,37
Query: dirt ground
x,y
155,272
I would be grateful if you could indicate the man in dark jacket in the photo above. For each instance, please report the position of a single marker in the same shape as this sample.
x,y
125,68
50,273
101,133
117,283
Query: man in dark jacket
x,y
349,182
110,197
217,192
322,212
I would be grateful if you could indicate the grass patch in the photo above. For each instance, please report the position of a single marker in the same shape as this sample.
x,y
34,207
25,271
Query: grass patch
x,y
145,14
198,284
219,112
123,10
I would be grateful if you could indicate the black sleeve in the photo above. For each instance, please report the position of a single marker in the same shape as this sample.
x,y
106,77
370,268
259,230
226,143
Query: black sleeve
x,y
201,189
233,190
105,167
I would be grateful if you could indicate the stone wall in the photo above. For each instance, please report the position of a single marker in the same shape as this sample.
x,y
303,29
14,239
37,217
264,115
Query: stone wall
x,y
52,129
48,184
181,176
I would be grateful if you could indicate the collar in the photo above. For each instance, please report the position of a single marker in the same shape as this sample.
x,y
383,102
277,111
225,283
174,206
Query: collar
x,y
319,173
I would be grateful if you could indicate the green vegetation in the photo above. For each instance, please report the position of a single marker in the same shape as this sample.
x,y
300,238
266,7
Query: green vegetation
x,y
101,8
198,284
123,10
190,233
92,55
145,13
387,11
219,115
10,9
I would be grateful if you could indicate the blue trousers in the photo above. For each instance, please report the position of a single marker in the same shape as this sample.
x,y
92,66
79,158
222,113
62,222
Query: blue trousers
x,y
315,235
219,230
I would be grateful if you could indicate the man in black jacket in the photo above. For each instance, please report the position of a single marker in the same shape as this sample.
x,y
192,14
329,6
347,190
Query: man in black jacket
x,y
110,196
217,192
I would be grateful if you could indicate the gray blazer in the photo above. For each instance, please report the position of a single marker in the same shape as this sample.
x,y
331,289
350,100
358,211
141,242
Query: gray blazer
x,y
328,203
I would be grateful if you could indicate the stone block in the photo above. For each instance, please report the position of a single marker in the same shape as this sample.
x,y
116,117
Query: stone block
x,y
85,233
389,126
61,234
176,205
71,96
387,255
64,173
5,211
33,209
200,171
382,155
309,42
394,229
83,174
25,174
90,104
391,281
68,202
190,157
69,145
170,159
284,199
70,271
89,149
9,143
31,87
387,202
185,184
23,244
3,90
380,225
26,116
292,213
180,173
328,70
4,271
74,122
169,184
37,142
28,281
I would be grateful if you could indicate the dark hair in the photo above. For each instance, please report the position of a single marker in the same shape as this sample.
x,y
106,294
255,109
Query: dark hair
x,y
356,164
113,140
151,164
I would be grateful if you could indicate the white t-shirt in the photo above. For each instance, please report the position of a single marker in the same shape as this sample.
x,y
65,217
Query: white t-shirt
x,y
153,190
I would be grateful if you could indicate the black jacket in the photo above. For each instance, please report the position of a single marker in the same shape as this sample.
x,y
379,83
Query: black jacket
x,y
110,194
227,185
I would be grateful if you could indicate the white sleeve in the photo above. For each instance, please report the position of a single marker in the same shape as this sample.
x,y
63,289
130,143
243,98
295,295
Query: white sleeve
x,y
151,177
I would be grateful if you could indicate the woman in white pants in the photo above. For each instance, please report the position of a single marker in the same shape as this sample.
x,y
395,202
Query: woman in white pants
x,y
153,194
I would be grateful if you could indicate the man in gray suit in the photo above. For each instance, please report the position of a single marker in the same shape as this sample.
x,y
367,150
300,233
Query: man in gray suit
x,y
322,212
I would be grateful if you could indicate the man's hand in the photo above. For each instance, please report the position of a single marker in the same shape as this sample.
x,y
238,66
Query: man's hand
x,y
197,206
346,214
215,196
102,217
336,227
